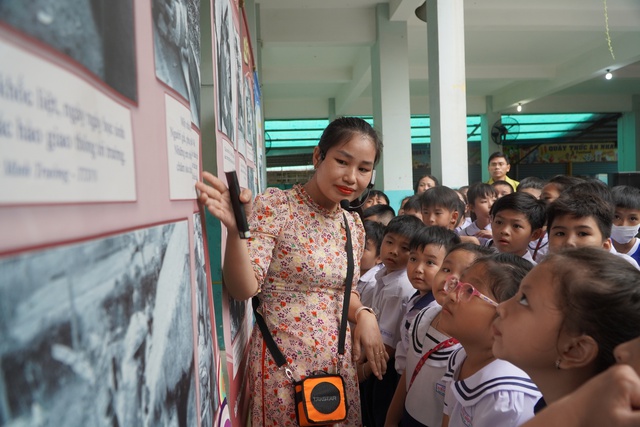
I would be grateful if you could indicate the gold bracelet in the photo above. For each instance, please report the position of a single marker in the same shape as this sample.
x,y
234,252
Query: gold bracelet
x,y
360,309
354,291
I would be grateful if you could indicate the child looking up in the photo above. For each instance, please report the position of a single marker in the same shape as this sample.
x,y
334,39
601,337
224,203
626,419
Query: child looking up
x,y
419,397
569,314
626,220
481,197
482,390
426,254
441,206
518,219
502,188
389,301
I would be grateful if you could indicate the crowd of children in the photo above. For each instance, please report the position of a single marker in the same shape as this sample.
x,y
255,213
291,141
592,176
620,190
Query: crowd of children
x,y
498,299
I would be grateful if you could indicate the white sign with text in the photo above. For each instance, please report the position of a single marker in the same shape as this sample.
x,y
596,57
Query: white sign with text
x,y
61,139
183,149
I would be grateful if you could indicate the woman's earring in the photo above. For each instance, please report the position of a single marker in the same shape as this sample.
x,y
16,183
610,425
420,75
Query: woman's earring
x,y
558,364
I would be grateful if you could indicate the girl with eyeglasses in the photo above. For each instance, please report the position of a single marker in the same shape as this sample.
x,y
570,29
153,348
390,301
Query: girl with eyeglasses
x,y
481,390
568,316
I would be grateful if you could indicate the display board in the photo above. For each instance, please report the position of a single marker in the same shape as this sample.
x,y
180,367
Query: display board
x,y
107,314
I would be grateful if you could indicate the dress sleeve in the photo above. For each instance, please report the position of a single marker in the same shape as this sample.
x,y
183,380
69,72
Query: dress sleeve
x,y
269,215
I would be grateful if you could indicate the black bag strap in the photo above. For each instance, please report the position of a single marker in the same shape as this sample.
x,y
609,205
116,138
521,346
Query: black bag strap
x,y
278,357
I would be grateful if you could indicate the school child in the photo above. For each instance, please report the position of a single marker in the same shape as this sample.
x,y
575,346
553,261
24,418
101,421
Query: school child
x,y
481,197
441,206
626,220
581,221
532,185
466,220
482,390
389,300
412,207
402,203
569,314
608,399
370,262
381,213
426,253
502,188
556,185
419,397
517,220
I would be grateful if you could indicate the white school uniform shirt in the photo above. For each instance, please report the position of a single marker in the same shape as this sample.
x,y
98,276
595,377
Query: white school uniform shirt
x,y
500,394
527,255
389,302
366,284
472,229
623,256
543,249
425,399
411,312
465,224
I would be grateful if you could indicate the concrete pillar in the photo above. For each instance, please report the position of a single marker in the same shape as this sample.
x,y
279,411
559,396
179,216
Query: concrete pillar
x,y
629,138
447,91
391,105
332,109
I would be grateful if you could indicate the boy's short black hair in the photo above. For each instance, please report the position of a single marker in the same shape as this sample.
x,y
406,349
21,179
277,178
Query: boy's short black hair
x,y
374,231
496,155
626,197
591,186
378,193
562,182
385,211
479,190
586,205
441,196
525,203
404,225
531,182
413,203
503,182
434,235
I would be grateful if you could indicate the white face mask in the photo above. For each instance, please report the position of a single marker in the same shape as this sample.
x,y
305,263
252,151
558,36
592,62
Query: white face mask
x,y
624,234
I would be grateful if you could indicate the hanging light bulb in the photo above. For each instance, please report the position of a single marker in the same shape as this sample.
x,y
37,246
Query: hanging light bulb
x,y
608,76
519,107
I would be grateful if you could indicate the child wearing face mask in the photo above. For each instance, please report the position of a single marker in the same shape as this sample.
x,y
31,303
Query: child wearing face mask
x,y
626,220
481,390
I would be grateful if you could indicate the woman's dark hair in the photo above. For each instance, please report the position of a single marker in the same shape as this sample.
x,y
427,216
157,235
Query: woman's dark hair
x,y
343,129
599,296
431,177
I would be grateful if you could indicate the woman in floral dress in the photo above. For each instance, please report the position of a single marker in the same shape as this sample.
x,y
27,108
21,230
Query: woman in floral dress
x,y
296,263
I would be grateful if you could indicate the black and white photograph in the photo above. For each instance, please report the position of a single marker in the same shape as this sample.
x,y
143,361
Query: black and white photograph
x,y
176,41
226,53
98,34
99,333
206,361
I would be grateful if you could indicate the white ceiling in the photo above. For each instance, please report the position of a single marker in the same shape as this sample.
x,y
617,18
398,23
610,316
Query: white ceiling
x,y
550,55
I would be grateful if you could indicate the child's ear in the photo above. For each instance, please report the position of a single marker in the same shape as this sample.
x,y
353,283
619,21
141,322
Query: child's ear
x,y
578,352
606,244
537,234
454,218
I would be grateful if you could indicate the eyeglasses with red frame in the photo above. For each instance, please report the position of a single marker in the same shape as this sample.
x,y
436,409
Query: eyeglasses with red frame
x,y
465,291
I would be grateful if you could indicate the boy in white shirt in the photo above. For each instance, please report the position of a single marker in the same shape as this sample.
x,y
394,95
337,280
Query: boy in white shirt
x,y
481,197
390,295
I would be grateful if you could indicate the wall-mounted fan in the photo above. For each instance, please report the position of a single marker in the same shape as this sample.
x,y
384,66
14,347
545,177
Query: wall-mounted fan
x,y
505,129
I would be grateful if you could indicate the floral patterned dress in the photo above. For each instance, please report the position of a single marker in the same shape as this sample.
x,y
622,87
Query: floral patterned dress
x,y
299,258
